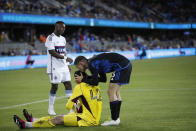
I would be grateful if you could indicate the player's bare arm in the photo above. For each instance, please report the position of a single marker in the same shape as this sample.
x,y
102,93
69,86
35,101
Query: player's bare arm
x,y
69,68
69,60
55,54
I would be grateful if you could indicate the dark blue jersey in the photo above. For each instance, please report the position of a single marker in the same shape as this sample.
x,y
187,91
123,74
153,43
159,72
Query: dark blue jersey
x,y
104,63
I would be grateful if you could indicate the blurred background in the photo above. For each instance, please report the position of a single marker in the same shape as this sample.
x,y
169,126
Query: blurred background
x,y
97,26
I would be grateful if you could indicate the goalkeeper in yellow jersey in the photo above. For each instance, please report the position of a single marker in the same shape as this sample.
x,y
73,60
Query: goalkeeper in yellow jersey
x,y
86,102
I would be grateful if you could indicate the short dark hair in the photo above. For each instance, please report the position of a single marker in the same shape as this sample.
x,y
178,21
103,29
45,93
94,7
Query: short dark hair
x,y
78,59
59,22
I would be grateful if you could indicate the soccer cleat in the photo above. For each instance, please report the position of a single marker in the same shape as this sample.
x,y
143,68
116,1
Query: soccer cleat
x,y
19,122
111,123
28,117
51,111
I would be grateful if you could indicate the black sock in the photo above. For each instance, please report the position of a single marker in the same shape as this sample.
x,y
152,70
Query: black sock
x,y
118,109
113,109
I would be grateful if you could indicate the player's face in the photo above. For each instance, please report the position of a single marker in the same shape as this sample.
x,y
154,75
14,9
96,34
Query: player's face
x,y
60,28
81,66
77,81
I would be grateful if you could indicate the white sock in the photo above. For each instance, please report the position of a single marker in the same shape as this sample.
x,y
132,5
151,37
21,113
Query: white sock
x,y
68,94
28,124
51,100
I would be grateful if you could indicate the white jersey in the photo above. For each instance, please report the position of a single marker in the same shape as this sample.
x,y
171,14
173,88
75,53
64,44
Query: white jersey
x,y
58,44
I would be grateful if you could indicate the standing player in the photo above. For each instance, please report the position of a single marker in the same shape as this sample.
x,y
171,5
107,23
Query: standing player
x,y
105,63
57,67
89,115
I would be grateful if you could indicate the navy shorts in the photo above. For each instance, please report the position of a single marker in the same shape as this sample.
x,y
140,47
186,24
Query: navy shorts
x,y
122,76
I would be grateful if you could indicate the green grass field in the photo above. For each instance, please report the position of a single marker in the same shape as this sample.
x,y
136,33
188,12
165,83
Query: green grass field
x,y
161,97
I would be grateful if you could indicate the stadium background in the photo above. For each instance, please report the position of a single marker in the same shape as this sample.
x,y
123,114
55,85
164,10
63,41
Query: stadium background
x,y
161,95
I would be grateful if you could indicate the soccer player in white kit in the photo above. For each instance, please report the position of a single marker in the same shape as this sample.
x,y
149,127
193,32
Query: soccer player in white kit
x,y
57,66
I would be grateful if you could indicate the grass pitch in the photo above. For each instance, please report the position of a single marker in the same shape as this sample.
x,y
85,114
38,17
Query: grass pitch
x,y
161,97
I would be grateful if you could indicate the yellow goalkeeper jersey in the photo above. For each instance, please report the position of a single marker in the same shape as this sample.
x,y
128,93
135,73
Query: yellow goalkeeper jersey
x,y
91,101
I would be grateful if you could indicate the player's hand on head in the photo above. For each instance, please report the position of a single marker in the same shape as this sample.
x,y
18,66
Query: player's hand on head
x,y
78,78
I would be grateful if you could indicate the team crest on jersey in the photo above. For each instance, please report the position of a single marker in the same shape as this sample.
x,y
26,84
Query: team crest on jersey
x,y
60,49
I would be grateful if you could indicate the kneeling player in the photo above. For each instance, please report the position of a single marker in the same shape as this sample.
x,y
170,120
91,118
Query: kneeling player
x,y
85,99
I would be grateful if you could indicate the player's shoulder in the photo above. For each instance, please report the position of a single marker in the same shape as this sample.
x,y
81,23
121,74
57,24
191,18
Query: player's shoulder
x,y
62,37
78,86
82,84
51,37
86,86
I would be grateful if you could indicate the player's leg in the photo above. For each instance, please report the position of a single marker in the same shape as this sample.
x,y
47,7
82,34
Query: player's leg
x,y
43,122
124,78
70,119
68,89
66,79
58,120
19,122
117,79
47,121
54,80
119,102
52,97
28,117
112,94
114,102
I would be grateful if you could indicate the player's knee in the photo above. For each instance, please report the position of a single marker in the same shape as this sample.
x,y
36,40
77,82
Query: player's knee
x,y
112,96
118,96
118,93
68,85
54,88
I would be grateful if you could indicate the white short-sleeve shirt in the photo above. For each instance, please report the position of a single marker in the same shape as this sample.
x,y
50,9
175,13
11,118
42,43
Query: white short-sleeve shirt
x,y
58,44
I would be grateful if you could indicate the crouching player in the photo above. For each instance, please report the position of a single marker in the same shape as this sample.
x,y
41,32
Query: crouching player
x,y
85,100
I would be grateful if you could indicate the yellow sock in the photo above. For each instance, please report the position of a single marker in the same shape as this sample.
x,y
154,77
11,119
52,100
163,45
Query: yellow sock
x,y
43,122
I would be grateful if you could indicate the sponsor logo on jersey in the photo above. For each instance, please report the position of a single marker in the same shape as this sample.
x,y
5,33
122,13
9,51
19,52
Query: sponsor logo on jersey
x,y
60,49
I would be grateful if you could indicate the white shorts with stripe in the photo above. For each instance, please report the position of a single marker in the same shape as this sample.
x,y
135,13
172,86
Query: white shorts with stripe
x,y
59,77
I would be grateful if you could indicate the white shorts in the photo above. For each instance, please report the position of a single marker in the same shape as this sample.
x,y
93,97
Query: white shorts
x,y
59,77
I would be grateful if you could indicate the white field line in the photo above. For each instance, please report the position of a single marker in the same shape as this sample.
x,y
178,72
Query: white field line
x,y
41,101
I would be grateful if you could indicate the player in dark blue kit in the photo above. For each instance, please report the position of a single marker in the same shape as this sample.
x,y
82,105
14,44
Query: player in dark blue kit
x,y
101,64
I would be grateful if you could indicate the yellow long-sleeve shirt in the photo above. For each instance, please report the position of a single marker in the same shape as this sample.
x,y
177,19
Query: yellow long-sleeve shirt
x,y
91,101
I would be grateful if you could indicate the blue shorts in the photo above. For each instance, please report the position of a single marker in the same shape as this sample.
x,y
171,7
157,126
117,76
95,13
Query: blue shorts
x,y
122,76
